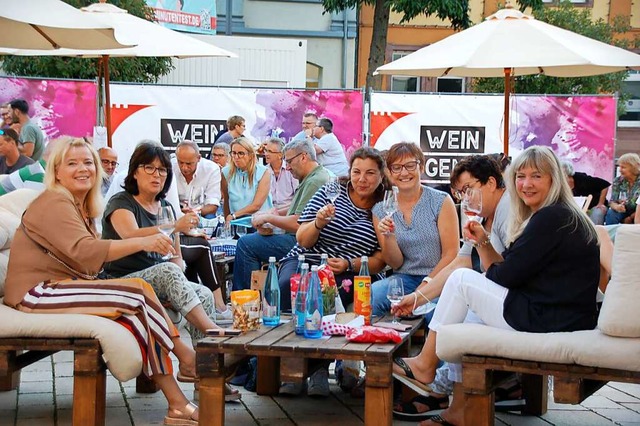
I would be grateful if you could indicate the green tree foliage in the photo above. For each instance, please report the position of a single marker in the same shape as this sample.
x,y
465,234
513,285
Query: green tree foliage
x,y
141,70
578,20
457,11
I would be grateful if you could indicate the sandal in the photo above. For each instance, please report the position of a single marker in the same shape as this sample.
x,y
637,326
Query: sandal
x,y
409,411
185,378
231,394
409,380
184,417
440,420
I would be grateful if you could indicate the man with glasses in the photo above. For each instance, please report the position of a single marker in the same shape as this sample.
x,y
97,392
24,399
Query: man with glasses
x,y
309,120
328,148
6,120
283,184
220,154
109,161
236,126
254,249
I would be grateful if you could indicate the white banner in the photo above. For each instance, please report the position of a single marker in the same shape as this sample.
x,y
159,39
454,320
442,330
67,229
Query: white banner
x,y
580,129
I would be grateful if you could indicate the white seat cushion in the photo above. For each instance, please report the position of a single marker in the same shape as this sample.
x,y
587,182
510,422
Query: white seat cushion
x,y
589,347
120,350
620,316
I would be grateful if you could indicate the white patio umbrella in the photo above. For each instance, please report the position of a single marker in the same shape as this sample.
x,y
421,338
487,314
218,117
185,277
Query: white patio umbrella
x,y
510,43
150,40
52,24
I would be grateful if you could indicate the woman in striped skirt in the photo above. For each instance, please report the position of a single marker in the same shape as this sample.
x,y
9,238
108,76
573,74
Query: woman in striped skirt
x,y
56,257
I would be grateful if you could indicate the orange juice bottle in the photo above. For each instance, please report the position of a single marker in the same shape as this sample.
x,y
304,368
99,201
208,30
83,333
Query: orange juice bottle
x,y
362,291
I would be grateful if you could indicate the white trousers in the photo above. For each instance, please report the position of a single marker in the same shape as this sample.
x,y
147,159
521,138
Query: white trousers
x,y
469,296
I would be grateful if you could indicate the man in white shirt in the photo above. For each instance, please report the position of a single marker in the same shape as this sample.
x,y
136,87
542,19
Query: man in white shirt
x,y
193,172
328,148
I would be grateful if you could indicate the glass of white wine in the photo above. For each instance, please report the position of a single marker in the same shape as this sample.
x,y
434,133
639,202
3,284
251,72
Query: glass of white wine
x,y
166,221
333,190
471,205
395,293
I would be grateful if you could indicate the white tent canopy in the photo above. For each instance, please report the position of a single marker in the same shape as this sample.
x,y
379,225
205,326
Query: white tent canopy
x,y
51,24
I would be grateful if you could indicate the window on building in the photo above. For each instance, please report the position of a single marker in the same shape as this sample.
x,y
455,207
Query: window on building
x,y
314,76
401,83
631,86
450,85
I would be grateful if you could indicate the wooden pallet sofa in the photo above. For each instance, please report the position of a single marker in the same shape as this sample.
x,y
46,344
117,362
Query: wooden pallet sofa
x,y
581,362
97,343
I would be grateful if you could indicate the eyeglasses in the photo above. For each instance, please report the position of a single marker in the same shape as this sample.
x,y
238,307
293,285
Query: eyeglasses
x,y
410,167
238,154
459,193
149,169
290,160
112,164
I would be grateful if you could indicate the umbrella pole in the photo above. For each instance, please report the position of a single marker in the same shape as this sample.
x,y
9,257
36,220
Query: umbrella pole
x,y
507,94
107,96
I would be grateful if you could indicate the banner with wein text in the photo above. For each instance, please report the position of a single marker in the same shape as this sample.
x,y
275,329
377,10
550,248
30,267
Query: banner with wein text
x,y
58,107
171,114
580,129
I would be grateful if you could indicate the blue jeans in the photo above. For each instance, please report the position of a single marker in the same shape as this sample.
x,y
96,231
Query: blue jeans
x,y
379,301
613,217
254,249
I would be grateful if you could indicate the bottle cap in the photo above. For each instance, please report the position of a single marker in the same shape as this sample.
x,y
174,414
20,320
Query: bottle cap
x,y
324,256
314,268
304,266
272,259
301,257
364,258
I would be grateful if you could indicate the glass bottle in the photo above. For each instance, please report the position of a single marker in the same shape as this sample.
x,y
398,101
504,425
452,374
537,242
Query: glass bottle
x,y
313,312
324,259
299,306
293,285
362,291
271,296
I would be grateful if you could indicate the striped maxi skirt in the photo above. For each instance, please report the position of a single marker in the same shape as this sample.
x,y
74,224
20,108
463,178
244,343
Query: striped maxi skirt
x,y
131,302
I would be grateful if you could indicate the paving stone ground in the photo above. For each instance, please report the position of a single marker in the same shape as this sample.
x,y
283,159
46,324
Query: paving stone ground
x,y
45,394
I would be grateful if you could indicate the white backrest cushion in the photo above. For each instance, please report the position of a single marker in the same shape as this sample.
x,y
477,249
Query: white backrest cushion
x,y
620,313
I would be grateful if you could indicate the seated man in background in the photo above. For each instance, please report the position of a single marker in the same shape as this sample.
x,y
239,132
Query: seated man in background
x,y
10,157
109,160
32,175
220,154
252,249
583,185
283,184
329,149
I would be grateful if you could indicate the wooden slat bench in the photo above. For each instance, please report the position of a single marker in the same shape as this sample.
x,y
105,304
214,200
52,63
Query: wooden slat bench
x,y
572,384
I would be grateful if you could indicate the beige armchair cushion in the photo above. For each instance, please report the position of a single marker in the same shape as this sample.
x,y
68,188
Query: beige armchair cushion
x,y
620,313
120,350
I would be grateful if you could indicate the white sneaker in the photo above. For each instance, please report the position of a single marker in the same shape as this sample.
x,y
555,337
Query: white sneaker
x,y
319,383
224,318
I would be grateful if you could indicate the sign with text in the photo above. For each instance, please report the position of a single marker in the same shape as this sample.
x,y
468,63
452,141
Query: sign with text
x,y
195,16
203,132
579,129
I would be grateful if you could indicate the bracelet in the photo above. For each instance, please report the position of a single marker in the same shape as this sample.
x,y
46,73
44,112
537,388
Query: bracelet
x,y
422,294
427,279
315,223
233,215
483,244
350,265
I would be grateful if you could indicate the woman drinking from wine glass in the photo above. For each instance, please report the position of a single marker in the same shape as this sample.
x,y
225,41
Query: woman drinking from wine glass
x,y
545,281
625,191
56,257
245,182
420,235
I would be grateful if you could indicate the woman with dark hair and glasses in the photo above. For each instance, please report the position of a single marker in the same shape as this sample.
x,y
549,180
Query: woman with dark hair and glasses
x,y
133,213
421,237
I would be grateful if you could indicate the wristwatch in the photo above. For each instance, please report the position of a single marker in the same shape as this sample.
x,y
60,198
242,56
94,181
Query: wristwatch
x,y
233,215
427,279
349,265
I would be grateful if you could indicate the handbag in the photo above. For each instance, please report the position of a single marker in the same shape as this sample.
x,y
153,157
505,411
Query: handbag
x,y
60,261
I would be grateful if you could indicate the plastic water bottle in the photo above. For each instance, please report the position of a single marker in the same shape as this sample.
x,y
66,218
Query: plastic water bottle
x,y
300,262
300,307
271,296
313,315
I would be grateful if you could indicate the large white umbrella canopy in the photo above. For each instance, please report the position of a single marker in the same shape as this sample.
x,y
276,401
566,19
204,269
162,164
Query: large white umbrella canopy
x,y
52,24
510,43
150,40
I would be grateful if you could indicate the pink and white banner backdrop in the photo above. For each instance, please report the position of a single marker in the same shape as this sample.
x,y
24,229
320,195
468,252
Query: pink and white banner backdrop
x,y
59,107
580,129
171,114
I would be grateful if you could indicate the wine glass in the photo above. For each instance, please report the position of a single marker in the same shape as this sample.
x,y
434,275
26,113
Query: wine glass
x,y
395,293
390,203
195,204
240,231
166,221
333,190
622,197
471,205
